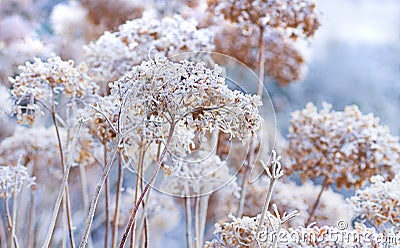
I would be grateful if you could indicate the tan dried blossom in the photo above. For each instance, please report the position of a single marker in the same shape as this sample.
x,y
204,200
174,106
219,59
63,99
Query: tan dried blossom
x,y
38,82
296,17
36,146
283,61
346,147
379,203
113,54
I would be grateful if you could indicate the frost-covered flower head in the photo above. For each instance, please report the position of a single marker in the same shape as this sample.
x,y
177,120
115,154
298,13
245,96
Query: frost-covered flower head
x,y
296,17
196,177
159,95
346,146
379,203
113,54
37,81
14,177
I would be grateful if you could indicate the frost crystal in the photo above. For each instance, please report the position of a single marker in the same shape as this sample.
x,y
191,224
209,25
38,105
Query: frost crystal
x,y
345,146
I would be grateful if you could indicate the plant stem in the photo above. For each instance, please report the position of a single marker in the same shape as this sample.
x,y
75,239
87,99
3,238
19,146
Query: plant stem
x,y
32,217
118,194
203,217
63,188
146,188
67,201
245,178
93,203
324,185
266,203
14,213
3,236
106,192
261,61
188,222
196,221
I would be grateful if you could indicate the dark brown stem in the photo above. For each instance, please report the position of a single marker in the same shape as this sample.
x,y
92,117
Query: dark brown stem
x,y
324,186
118,194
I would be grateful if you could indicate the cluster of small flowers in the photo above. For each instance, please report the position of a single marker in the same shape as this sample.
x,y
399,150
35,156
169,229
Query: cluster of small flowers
x,y
199,176
13,178
160,93
296,17
37,145
283,61
242,232
113,54
379,203
346,146
38,81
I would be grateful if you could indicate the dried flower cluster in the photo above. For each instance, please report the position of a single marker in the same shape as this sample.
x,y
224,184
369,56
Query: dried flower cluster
x,y
12,178
241,232
379,203
159,93
113,54
277,24
347,146
40,81
297,17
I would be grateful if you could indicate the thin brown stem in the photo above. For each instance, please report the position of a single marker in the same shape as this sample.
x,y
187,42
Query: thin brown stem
x,y
3,236
324,186
196,221
60,148
63,189
118,194
261,61
146,188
